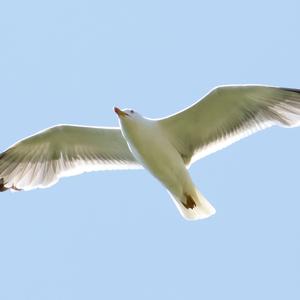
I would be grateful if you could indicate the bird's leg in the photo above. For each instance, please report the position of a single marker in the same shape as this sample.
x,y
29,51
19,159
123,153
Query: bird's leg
x,y
189,202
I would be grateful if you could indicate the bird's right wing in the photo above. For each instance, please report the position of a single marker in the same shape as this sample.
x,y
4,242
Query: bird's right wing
x,y
63,150
227,114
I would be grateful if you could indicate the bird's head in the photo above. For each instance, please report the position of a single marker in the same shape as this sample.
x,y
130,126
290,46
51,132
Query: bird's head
x,y
127,114
132,124
130,121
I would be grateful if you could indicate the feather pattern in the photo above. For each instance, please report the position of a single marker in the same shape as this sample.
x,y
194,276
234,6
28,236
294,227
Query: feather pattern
x,y
63,150
227,114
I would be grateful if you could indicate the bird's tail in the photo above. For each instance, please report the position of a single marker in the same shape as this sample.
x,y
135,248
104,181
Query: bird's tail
x,y
193,205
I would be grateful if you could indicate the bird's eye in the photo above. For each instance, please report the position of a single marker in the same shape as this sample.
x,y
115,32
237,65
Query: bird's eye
x,y
132,111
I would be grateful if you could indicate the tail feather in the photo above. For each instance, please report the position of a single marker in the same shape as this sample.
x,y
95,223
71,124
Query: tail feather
x,y
193,206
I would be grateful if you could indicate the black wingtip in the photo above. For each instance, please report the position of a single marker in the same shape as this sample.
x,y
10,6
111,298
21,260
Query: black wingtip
x,y
291,90
2,187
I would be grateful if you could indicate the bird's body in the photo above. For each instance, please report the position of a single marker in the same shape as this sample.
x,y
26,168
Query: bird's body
x,y
163,161
154,151
165,147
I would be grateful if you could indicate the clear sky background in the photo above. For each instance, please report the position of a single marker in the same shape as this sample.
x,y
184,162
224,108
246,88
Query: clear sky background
x,y
117,235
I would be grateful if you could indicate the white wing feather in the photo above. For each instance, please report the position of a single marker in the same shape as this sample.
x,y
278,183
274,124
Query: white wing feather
x,y
227,114
64,150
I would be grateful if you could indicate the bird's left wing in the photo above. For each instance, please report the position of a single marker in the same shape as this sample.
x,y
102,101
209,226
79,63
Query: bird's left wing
x,y
63,150
227,114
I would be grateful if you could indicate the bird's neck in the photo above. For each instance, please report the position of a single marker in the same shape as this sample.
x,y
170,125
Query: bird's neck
x,y
138,130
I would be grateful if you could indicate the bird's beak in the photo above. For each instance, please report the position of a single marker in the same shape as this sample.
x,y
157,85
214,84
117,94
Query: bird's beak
x,y
120,112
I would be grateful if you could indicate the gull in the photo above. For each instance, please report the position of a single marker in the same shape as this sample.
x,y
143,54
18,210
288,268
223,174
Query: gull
x,y
165,147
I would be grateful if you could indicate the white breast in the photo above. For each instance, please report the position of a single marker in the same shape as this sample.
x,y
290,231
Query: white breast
x,y
154,151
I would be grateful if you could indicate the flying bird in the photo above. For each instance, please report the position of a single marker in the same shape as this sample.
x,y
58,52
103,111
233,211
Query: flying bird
x,y
165,147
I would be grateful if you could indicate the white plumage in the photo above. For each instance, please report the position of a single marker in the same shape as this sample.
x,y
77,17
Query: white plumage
x,y
166,147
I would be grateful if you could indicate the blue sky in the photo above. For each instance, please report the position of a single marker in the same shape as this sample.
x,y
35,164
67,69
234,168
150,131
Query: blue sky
x,y
117,235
